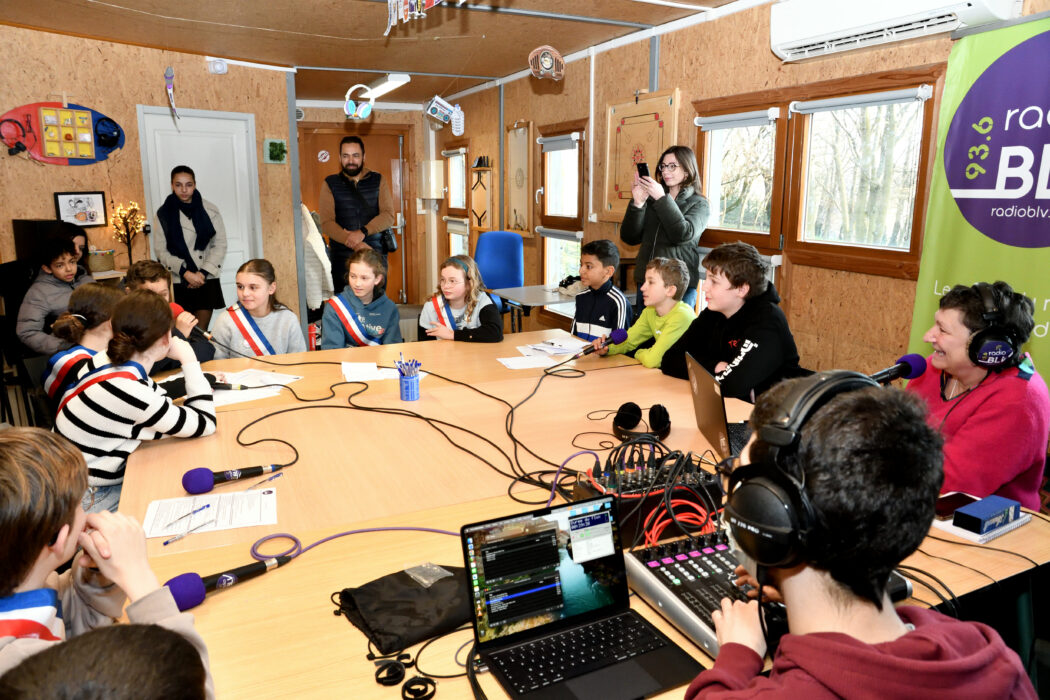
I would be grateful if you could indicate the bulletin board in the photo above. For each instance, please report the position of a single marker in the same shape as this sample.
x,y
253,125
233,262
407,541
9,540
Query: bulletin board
x,y
519,197
637,130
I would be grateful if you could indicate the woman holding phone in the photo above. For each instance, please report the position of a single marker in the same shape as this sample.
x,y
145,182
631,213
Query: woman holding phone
x,y
666,216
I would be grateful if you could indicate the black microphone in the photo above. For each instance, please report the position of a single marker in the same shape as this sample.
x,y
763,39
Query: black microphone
x,y
615,338
189,589
199,331
907,367
203,480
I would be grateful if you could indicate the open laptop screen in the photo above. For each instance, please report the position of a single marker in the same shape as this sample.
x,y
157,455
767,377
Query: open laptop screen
x,y
549,569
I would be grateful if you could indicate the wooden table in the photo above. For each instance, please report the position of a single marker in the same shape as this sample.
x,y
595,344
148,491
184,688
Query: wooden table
x,y
276,636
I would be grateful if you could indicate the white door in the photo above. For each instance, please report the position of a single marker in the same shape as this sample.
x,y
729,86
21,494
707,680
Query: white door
x,y
220,148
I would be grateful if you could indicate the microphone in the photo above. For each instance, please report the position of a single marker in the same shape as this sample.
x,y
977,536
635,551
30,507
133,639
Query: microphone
x,y
203,480
907,367
176,310
615,338
189,589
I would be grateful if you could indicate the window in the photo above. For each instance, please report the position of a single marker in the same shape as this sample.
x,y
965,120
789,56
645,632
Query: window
x,y
561,203
456,171
835,174
458,238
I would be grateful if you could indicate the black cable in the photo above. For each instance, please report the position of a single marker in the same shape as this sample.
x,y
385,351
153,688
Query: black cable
x,y
914,576
419,654
927,585
1031,561
952,561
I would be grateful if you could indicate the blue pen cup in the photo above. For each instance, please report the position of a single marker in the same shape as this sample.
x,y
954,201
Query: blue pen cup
x,y
409,388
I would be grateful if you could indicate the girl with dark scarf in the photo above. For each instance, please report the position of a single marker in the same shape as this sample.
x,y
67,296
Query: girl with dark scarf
x,y
194,246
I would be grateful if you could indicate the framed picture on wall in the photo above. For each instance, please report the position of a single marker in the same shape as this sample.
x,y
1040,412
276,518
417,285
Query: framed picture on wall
x,y
81,208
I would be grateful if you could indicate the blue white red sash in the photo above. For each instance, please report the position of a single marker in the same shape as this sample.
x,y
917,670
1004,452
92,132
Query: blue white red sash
x,y
444,312
33,614
59,366
129,370
250,330
352,323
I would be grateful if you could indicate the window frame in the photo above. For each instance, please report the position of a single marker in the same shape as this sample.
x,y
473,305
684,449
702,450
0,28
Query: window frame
x,y
790,176
561,129
450,210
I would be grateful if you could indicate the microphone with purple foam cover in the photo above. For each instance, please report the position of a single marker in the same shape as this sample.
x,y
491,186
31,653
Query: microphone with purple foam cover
x,y
615,338
203,480
189,589
907,367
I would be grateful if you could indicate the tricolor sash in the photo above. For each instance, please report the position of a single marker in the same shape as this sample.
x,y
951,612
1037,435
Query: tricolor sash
x,y
35,614
59,366
444,312
352,323
250,330
129,370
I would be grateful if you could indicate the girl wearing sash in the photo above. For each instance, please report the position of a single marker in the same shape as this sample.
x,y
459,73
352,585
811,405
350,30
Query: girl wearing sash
x,y
114,405
87,326
461,310
258,324
358,316
193,246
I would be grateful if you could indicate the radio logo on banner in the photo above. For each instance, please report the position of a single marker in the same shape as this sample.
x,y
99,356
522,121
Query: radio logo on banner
x,y
997,151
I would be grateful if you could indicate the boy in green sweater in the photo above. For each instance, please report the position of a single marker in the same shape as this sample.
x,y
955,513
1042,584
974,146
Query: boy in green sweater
x,y
665,317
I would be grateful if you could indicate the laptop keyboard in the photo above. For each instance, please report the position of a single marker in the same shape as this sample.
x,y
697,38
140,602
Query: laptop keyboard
x,y
574,652
738,434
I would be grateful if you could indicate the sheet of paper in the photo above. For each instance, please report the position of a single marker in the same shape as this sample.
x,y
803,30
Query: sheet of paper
x,y
529,351
251,378
259,377
370,372
229,510
527,362
225,397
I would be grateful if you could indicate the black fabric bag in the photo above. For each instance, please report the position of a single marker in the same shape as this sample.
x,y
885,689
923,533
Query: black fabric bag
x,y
389,240
395,611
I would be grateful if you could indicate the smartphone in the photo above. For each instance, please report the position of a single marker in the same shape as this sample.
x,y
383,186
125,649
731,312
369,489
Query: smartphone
x,y
947,505
643,169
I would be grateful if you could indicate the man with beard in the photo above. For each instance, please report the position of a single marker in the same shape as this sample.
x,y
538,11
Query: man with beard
x,y
354,207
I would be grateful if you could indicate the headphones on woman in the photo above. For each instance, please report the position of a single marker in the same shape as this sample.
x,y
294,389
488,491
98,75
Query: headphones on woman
x,y
767,508
995,346
358,110
629,415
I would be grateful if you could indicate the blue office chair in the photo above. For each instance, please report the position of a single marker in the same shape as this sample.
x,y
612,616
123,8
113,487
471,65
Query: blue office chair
x,y
500,257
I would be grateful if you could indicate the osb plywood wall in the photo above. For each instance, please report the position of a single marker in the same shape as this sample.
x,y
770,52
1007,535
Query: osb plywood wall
x,y
113,79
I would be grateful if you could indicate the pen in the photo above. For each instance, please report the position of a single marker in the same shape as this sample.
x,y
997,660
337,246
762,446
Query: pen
x,y
176,538
263,481
192,512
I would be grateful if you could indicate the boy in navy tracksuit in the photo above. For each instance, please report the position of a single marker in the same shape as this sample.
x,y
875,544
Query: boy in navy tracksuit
x,y
603,307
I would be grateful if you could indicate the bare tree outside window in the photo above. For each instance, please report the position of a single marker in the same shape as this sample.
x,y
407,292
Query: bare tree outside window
x,y
740,178
861,175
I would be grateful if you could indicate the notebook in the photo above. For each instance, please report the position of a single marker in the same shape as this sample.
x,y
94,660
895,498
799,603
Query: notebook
x,y
550,608
710,407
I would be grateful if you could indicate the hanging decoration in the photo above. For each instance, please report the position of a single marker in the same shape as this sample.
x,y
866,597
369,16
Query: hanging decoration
x,y
406,10
169,85
545,60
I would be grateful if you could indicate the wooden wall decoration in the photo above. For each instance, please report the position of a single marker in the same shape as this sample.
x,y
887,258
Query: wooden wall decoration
x,y
518,216
636,131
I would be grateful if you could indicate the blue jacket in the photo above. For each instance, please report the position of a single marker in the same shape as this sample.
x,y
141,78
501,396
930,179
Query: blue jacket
x,y
380,319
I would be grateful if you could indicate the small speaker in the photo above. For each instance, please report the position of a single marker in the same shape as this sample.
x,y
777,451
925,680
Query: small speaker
x,y
545,60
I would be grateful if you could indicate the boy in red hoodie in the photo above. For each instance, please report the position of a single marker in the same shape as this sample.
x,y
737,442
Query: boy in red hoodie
x,y
871,469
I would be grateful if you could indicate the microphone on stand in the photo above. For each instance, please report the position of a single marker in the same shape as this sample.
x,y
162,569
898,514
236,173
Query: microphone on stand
x,y
203,480
189,589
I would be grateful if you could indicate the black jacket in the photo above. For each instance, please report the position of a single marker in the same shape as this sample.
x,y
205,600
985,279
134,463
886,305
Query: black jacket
x,y
755,341
667,228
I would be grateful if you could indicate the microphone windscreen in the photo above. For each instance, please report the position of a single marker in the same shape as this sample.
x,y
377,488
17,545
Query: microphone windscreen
x,y
187,590
176,309
199,480
618,336
916,365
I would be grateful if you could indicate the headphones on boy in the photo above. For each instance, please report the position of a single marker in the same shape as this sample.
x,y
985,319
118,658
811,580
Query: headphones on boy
x,y
358,110
18,146
767,509
629,415
995,346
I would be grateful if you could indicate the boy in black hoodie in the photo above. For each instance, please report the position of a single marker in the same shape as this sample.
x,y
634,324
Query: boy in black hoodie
x,y
742,337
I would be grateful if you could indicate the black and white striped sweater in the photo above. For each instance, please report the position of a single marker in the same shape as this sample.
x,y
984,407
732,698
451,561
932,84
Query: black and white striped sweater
x,y
113,408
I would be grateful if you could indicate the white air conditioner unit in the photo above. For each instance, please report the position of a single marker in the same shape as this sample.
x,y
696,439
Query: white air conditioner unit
x,y
801,29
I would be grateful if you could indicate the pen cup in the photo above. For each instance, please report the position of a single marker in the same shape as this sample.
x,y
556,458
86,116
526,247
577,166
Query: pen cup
x,y
409,387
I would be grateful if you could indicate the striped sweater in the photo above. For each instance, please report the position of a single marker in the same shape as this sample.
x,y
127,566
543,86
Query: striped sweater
x,y
114,408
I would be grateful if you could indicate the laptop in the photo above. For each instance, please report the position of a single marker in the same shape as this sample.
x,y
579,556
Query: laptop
x,y
551,613
727,439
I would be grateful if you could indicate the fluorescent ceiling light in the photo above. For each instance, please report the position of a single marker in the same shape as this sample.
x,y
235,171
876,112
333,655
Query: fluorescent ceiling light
x,y
389,82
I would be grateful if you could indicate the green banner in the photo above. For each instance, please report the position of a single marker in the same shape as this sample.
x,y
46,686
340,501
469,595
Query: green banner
x,y
989,213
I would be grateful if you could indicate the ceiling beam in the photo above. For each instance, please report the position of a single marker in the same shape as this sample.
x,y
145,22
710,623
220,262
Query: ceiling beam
x,y
397,70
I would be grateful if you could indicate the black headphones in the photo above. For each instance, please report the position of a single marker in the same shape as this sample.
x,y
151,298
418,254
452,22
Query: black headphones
x,y
19,146
390,670
107,132
995,346
767,509
629,415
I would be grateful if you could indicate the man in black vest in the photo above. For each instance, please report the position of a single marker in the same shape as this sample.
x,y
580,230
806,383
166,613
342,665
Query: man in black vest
x,y
354,207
